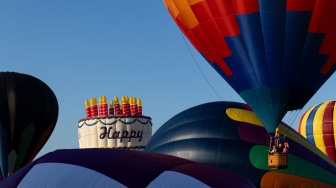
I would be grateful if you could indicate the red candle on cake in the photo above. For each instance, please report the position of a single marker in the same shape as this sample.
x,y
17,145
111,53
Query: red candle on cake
x,y
132,106
87,109
99,106
126,106
135,107
94,107
111,109
103,106
139,108
123,104
118,111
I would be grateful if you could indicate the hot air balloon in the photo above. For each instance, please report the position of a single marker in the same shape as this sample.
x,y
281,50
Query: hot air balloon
x,y
119,168
274,54
127,128
228,135
28,115
317,125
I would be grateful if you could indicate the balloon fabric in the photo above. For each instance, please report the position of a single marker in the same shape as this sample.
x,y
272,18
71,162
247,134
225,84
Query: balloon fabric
x,y
28,115
228,135
317,125
274,54
119,168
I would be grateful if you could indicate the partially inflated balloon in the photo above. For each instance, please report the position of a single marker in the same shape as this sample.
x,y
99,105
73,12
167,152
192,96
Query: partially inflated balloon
x,y
318,125
118,168
274,54
28,115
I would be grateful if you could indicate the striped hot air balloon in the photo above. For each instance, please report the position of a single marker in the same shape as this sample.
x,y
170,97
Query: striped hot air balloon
x,y
318,126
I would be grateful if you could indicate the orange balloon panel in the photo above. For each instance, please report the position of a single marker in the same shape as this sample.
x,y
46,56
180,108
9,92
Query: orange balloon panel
x,y
281,180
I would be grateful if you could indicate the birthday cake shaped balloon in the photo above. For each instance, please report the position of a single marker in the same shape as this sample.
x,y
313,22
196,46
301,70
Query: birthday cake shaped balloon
x,y
115,125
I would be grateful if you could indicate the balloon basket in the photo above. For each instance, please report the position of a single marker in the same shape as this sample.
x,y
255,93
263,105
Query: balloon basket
x,y
278,161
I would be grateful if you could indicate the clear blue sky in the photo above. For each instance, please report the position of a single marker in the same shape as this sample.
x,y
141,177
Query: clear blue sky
x,y
85,49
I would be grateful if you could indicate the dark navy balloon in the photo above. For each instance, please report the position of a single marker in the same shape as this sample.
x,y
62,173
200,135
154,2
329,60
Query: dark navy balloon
x,y
228,135
28,115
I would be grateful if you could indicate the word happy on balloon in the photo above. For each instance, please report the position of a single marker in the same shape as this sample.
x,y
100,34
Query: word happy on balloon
x,y
124,134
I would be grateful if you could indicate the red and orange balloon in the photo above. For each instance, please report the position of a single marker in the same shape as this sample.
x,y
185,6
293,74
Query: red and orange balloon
x,y
274,54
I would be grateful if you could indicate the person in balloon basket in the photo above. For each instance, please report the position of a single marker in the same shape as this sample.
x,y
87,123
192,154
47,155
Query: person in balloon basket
x,y
273,150
279,148
285,148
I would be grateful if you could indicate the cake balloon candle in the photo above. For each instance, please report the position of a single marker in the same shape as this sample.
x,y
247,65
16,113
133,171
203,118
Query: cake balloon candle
x,y
135,106
94,107
87,109
99,106
103,106
126,106
132,104
118,111
111,109
139,108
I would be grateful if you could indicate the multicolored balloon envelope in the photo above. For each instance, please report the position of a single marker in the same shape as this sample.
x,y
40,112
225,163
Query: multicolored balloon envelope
x,y
275,54
28,115
119,168
318,125
228,135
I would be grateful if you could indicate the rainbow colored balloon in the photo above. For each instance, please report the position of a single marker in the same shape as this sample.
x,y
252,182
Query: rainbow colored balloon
x,y
318,126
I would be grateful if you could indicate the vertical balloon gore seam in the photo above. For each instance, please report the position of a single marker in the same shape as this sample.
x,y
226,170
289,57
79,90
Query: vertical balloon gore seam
x,y
3,152
319,137
309,129
43,139
328,130
246,7
26,139
304,122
